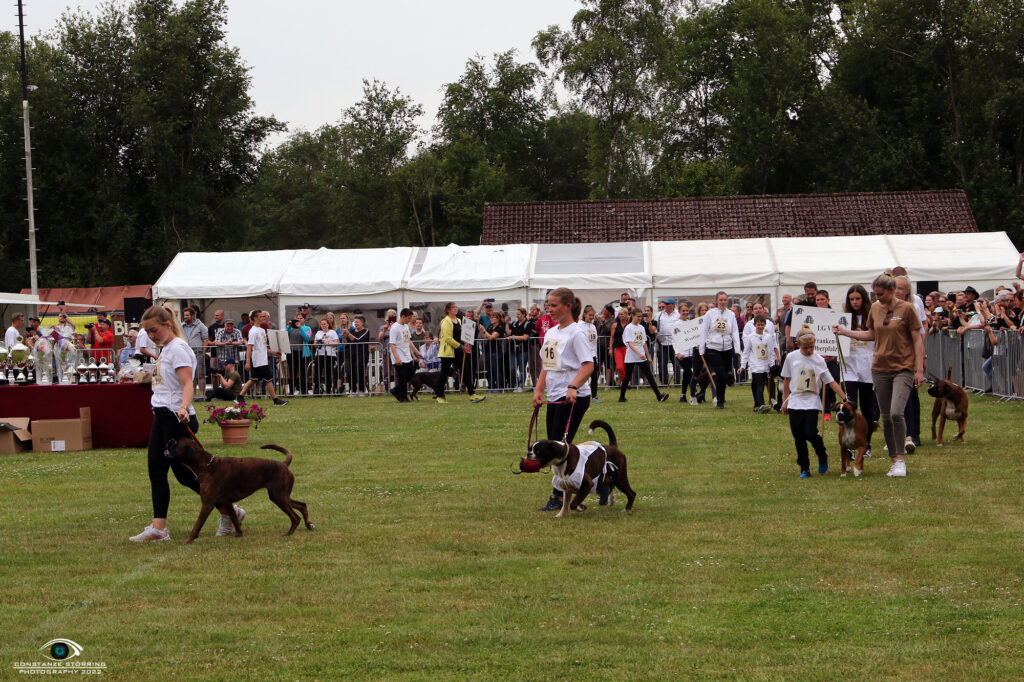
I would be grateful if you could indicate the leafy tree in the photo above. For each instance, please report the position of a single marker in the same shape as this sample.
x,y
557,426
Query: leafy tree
x,y
610,59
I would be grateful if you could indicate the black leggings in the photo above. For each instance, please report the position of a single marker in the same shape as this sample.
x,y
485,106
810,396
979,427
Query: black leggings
x,y
560,414
687,365
593,380
447,365
720,362
862,395
803,424
165,427
643,369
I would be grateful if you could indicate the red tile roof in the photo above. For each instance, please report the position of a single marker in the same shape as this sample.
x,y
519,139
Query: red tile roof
x,y
106,299
778,215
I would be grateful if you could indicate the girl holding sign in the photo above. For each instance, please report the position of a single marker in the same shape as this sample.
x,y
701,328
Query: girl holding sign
x,y
803,375
719,341
858,360
637,359
897,368
566,364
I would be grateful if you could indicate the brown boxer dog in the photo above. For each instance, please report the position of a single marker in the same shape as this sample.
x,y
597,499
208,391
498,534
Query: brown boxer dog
x,y
606,465
853,438
226,480
950,403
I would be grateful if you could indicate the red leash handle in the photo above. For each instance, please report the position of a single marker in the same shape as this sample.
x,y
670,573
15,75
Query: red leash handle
x,y
529,436
533,421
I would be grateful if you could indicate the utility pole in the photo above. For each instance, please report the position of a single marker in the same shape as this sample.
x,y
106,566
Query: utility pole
x,y
33,270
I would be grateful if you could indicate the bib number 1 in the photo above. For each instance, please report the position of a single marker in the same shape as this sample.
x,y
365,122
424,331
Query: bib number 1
x,y
806,381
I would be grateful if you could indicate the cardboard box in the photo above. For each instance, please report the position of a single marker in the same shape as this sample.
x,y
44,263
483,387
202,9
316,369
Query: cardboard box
x,y
63,435
14,435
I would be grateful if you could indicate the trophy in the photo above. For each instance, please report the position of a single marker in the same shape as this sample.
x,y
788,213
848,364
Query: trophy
x,y
93,370
66,361
83,370
19,356
43,353
30,363
4,354
101,371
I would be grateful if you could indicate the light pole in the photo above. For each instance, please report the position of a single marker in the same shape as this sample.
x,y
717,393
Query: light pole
x,y
25,87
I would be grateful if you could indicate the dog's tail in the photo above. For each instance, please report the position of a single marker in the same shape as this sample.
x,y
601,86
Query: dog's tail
x,y
949,373
286,451
598,424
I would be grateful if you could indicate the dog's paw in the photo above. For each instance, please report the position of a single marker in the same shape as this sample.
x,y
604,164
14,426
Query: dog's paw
x,y
581,507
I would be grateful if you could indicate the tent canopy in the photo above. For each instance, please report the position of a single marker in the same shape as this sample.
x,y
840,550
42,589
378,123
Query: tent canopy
x,y
403,275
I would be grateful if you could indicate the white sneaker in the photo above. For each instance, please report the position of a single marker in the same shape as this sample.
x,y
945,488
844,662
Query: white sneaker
x,y
909,445
151,534
898,470
226,527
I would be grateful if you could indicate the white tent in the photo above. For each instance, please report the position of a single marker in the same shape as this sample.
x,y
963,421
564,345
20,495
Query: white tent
x,y
523,272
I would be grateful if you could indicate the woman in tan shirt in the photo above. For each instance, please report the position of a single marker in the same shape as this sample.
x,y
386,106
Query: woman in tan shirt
x,y
898,365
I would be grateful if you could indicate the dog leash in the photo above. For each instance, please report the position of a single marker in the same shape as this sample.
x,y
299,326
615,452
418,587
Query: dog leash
x,y
188,428
533,421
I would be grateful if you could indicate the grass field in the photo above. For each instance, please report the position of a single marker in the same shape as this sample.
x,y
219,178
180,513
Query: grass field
x,y
429,559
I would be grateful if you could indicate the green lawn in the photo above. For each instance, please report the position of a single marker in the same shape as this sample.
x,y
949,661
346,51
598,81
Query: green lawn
x,y
429,559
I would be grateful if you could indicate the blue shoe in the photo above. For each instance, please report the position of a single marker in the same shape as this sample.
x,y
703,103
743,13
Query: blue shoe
x,y
595,399
805,474
823,466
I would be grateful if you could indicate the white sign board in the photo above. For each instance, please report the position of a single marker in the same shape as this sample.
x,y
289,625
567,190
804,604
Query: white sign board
x,y
686,336
821,321
278,340
468,331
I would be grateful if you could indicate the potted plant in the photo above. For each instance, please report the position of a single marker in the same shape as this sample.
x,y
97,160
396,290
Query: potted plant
x,y
235,420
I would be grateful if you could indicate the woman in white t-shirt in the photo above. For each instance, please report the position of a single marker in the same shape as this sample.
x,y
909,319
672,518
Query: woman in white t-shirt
x,y
634,335
803,374
859,384
172,409
590,329
566,365
326,343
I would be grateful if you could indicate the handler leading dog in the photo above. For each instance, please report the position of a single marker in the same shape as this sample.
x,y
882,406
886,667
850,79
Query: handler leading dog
x,y
172,409
566,365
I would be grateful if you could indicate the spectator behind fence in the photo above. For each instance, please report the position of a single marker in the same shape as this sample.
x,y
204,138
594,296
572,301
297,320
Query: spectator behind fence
x,y
298,354
129,346
664,323
326,344
357,354
520,332
195,334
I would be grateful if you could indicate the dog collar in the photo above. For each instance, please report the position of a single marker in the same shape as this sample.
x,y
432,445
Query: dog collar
x,y
565,456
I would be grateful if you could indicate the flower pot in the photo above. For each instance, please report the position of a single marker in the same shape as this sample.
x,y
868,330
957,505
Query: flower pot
x,y
235,431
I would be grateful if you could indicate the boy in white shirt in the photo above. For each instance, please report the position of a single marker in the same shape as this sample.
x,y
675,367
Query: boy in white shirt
x,y
402,354
256,361
804,373
760,352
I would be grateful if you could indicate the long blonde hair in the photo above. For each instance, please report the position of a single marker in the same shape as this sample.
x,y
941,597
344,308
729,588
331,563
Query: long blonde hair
x,y
164,316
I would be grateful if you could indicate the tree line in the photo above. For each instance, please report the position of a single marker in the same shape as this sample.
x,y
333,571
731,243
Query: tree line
x,y
146,143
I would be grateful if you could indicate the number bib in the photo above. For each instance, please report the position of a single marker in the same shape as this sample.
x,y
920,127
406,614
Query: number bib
x,y
549,353
405,336
158,379
761,352
639,337
592,336
721,326
806,381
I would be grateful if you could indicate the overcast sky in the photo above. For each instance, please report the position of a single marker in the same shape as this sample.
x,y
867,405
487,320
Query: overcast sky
x,y
308,57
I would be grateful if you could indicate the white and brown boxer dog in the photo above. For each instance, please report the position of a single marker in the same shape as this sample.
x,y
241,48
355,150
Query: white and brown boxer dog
x,y
950,403
578,469
853,438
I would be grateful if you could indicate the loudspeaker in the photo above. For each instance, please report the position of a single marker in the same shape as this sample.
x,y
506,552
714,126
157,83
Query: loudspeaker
x,y
134,308
926,287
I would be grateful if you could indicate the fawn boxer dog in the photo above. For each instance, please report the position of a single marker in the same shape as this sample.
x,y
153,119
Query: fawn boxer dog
x,y
226,480
853,437
579,469
950,403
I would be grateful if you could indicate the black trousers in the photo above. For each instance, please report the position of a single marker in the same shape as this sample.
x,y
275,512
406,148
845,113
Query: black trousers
x,y
593,380
403,373
758,382
561,414
912,415
686,364
803,424
447,367
720,362
862,395
667,359
644,370
297,369
219,393
830,395
165,427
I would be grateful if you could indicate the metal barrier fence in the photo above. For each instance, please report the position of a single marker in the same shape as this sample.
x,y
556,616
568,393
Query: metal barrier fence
x,y
1002,373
